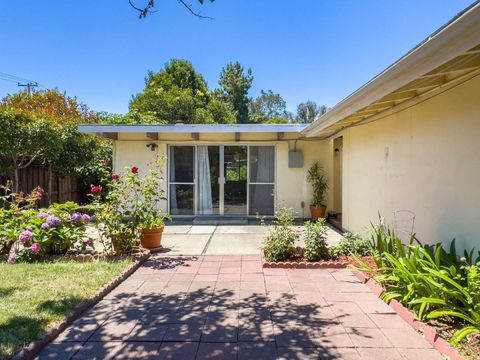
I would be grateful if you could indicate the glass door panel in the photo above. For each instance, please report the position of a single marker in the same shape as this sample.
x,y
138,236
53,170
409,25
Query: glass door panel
x,y
235,174
182,180
208,172
262,180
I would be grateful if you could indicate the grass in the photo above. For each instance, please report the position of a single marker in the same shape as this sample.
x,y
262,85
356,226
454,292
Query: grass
x,y
33,297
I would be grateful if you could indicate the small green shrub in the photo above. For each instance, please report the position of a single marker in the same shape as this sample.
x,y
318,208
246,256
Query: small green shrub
x,y
432,282
279,244
352,244
315,237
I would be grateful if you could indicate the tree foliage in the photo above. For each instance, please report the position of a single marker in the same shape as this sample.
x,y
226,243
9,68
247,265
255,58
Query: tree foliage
x,y
235,82
178,93
309,111
42,127
269,107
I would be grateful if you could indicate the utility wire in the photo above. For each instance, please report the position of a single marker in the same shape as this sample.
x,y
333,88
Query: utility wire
x,y
18,79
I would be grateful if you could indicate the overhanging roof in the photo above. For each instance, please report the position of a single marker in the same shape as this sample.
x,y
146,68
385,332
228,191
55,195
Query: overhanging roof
x,y
449,56
193,128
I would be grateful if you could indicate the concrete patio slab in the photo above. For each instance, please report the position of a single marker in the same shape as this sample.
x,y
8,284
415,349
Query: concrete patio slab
x,y
201,317
235,244
184,244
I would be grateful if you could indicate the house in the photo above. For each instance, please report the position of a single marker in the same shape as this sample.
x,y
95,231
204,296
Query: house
x,y
405,145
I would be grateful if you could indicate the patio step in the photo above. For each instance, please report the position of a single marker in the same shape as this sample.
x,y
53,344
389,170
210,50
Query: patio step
x,y
215,220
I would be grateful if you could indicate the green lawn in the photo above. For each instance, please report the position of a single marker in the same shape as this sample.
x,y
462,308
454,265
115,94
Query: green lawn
x,y
33,297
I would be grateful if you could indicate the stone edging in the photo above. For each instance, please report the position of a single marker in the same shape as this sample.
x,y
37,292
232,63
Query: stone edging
x,y
325,264
32,350
429,332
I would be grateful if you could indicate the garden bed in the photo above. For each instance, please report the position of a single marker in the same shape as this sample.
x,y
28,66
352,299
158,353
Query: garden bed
x,y
434,331
298,261
40,300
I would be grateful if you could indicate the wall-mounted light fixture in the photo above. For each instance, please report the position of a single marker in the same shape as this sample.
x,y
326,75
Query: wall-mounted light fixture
x,y
152,146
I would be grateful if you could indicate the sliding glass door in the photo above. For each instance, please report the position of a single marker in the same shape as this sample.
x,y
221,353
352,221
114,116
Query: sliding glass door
x,y
221,180
182,180
262,180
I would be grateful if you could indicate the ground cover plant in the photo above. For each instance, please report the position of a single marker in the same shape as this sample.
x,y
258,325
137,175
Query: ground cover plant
x,y
36,296
437,284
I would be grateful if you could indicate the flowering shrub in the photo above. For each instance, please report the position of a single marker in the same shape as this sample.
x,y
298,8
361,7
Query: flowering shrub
x,y
52,231
131,203
279,244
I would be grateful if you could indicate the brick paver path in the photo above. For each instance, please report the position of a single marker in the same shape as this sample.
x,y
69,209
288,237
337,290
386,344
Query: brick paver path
x,y
228,307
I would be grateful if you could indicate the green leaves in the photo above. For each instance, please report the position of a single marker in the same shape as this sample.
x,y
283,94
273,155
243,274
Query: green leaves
x,y
315,237
432,282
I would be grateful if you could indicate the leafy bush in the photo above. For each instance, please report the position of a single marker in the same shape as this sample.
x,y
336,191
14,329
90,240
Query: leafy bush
x,y
315,237
432,282
352,244
279,244
132,202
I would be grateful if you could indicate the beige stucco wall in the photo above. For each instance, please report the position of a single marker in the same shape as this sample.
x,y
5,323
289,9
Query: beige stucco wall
x,y
291,184
425,159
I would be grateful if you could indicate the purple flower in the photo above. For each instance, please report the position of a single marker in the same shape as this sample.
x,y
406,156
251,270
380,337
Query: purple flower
x,y
29,228
42,215
45,225
90,242
76,217
35,247
25,236
86,218
53,220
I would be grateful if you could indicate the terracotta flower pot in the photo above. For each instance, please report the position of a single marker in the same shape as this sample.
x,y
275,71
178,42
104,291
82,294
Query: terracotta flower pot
x,y
317,212
151,238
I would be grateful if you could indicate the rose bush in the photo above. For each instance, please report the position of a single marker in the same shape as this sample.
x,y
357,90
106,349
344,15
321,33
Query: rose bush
x,y
130,201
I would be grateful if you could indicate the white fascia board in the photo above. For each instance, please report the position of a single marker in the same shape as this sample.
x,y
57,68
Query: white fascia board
x,y
462,34
193,128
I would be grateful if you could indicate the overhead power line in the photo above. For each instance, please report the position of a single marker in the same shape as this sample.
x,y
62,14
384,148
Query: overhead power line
x,y
30,84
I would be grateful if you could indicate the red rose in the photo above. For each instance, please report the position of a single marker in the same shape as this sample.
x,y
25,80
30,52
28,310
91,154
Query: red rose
x,y
106,161
115,177
134,169
96,189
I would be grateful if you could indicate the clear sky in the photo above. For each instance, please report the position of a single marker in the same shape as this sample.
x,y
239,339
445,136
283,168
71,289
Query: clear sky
x,y
99,51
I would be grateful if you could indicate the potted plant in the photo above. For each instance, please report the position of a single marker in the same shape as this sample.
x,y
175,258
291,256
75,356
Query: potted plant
x,y
317,179
131,212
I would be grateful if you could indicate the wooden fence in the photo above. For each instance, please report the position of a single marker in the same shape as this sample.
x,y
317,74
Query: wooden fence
x,y
62,189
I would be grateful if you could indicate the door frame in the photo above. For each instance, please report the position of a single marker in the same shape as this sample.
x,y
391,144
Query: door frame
x,y
222,170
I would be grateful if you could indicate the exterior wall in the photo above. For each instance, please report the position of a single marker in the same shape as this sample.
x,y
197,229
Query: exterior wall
x,y
291,184
424,159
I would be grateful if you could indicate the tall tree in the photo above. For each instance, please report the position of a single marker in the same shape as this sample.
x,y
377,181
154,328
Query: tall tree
x,y
149,5
178,93
235,82
269,107
309,111
42,127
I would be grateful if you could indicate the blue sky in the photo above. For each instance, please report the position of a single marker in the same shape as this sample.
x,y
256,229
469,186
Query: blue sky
x,y
311,49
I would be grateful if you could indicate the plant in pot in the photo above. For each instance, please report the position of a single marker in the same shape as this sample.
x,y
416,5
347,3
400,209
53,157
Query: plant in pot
x,y
317,179
130,212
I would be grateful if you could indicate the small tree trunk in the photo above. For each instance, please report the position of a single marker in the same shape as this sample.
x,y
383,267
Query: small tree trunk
x,y
16,180
49,184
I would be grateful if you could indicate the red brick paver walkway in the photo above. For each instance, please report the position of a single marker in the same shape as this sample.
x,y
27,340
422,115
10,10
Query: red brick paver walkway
x,y
228,307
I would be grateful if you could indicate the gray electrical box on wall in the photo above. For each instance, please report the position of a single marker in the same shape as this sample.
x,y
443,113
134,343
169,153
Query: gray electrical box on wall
x,y
295,159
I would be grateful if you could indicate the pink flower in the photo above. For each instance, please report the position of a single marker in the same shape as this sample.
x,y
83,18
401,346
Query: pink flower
x,y
115,177
25,236
106,161
90,242
35,247
86,218
95,189
42,215
134,169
